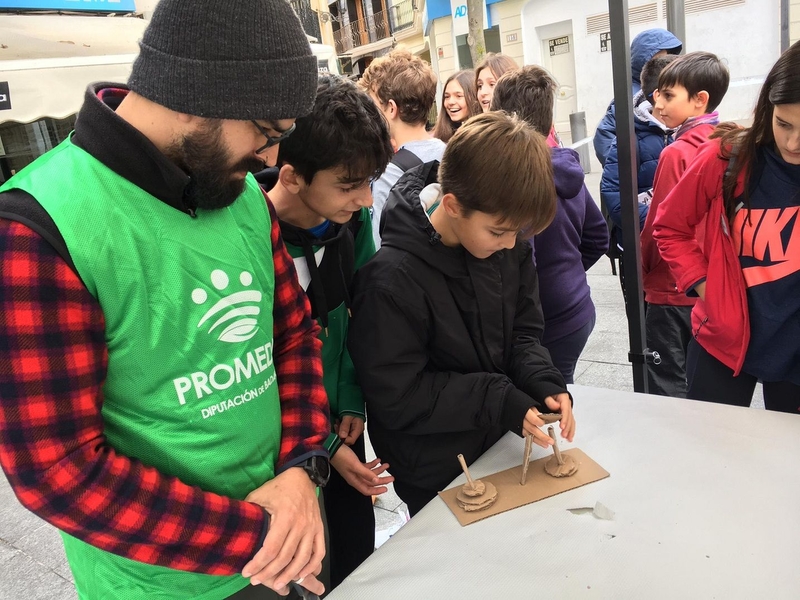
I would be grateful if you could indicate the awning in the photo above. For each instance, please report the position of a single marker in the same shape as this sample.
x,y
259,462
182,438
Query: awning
x,y
46,61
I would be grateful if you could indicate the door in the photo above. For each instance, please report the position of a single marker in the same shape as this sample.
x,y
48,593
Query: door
x,y
558,57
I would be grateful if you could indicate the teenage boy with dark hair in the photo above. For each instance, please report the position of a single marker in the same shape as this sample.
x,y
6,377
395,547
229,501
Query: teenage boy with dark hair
x,y
446,323
652,136
689,91
576,238
404,88
322,198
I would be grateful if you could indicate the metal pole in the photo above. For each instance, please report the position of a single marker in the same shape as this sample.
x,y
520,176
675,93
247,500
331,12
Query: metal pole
x,y
577,128
626,145
676,21
784,25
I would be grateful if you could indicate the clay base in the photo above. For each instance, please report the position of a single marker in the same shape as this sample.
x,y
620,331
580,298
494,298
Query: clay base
x,y
475,503
570,467
480,489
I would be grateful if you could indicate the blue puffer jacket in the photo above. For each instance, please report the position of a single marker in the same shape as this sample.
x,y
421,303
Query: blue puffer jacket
x,y
652,137
643,47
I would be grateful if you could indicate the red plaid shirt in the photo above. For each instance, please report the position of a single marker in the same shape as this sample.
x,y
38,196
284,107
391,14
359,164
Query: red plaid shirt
x,y
53,362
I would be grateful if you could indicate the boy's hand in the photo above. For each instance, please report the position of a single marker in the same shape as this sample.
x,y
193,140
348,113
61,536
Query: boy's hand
x,y
295,542
361,476
561,403
531,426
350,429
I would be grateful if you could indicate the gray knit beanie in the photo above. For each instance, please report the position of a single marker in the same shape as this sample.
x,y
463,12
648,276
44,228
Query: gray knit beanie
x,y
226,59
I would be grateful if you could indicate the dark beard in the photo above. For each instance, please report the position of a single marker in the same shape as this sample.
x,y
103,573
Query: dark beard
x,y
204,157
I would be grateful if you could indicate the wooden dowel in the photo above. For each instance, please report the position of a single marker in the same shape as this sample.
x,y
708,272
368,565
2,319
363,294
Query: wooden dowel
x,y
466,471
526,459
551,433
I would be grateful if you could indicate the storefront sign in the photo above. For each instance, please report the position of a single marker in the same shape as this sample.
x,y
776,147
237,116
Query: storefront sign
x,y
559,45
5,96
70,5
605,41
460,17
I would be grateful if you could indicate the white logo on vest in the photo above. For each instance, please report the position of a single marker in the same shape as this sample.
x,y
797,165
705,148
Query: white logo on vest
x,y
237,312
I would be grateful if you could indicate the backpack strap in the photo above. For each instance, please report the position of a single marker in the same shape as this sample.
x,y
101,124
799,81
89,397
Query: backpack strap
x,y
729,173
406,159
18,205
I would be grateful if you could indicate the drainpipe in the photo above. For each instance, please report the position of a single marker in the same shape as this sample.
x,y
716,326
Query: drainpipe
x,y
676,20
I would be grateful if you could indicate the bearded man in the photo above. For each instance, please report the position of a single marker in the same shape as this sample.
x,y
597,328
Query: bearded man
x,y
162,388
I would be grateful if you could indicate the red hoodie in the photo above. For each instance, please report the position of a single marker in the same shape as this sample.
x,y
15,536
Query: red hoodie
x,y
721,323
658,281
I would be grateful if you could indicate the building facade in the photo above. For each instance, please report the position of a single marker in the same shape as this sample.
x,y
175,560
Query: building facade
x,y
572,41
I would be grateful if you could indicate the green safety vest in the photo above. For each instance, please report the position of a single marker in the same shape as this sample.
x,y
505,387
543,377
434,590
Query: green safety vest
x,y
191,387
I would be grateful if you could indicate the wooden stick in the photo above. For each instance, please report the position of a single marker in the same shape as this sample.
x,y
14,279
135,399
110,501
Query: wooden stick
x,y
526,459
466,471
551,433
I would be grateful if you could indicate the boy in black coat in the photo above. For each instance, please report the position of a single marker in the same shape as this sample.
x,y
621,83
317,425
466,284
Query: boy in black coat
x,y
446,321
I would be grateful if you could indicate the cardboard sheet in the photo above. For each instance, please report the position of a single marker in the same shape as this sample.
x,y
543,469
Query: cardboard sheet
x,y
510,494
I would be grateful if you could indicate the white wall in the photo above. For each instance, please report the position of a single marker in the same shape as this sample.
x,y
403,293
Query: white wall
x,y
146,6
794,20
746,36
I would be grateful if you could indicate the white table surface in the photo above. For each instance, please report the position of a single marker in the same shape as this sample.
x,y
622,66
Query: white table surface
x,y
707,503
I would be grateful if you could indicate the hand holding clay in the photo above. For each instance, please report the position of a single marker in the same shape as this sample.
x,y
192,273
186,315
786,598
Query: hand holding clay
x,y
475,495
531,425
561,465
561,403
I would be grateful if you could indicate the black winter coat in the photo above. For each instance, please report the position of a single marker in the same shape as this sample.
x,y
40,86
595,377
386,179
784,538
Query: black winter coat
x,y
445,345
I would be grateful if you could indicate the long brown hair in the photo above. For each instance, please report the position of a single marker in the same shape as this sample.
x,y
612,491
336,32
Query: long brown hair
x,y
445,126
782,86
499,64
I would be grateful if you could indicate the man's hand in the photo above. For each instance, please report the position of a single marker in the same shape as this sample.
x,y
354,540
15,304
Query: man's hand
x,y
350,429
561,403
295,542
361,476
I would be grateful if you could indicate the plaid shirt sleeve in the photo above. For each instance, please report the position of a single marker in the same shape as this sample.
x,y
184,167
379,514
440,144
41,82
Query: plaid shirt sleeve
x,y
305,416
53,362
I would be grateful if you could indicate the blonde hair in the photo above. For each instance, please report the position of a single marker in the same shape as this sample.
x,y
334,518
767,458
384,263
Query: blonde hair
x,y
404,78
499,165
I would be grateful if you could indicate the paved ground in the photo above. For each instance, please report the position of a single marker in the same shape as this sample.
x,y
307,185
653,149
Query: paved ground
x,y
32,562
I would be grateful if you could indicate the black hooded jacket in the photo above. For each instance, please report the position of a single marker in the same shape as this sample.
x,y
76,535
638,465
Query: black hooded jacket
x,y
445,345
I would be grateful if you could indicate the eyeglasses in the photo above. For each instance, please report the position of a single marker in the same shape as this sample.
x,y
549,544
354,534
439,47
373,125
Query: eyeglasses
x,y
272,141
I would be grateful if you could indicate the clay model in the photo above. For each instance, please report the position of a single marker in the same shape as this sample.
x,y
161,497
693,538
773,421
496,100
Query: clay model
x,y
560,465
549,418
475,495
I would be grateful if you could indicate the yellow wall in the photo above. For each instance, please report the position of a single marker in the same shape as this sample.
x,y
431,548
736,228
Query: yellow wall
x,y
508,15
441,37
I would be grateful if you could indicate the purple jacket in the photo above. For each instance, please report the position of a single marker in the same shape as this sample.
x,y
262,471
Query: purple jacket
x,y
574,241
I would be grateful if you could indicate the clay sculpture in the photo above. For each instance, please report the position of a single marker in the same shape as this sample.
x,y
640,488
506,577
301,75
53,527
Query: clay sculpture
x,y
560,465
475,495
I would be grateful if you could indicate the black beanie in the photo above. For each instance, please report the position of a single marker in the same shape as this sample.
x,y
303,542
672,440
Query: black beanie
x,y
226,59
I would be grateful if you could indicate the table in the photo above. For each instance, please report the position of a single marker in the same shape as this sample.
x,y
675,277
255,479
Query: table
x,y
707,503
